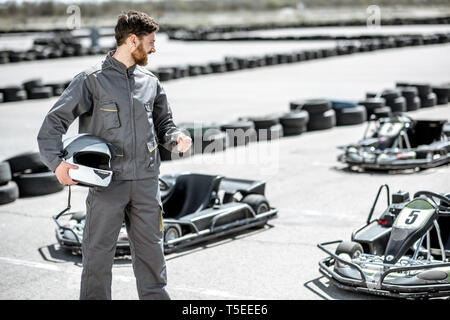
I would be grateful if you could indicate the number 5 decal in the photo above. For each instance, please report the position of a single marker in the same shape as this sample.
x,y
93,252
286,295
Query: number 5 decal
x,y
412,217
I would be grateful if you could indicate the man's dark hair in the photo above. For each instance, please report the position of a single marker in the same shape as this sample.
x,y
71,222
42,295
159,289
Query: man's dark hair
x,y
134,22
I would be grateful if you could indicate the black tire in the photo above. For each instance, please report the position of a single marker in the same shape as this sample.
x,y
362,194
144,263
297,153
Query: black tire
x,y
257,202
442,93
9,192
429,101
382,112
351,116
40,93
240,132
265,122
5,173
424,89
317,106
165,74
398,104
294,131
322,121
172,231
58,88
294,119
13,93
271,133
27,162
36,184
414,104
373,103
353,249
409,92
296,105
33,83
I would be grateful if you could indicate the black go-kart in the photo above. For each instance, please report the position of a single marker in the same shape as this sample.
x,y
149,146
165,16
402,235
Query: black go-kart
x,y
399,143
403,254
196,207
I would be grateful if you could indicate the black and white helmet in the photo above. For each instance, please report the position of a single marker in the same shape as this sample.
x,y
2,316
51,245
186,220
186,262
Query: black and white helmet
x,y
92,155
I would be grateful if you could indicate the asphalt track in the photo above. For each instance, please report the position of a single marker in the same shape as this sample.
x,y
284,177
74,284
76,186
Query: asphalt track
x,y
318,199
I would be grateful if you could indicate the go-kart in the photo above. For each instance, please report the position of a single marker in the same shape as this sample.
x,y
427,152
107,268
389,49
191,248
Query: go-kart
x,y
196,207
399,143
404,253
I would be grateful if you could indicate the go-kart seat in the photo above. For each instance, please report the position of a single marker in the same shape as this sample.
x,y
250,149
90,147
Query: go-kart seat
x,y
192,193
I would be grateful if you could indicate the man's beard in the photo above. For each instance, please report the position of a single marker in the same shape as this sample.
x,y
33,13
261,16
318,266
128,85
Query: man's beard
x,y
140,56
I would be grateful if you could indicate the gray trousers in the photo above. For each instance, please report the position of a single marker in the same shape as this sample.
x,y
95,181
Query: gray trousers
x,y
138,202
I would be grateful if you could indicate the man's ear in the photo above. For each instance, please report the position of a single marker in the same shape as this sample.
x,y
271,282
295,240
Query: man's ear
x,y
131,41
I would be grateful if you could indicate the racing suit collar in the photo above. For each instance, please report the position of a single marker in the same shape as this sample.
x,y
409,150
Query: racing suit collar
x,y
119,65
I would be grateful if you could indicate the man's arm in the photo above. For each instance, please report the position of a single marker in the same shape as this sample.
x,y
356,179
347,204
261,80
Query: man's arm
x,y
74,101
169,135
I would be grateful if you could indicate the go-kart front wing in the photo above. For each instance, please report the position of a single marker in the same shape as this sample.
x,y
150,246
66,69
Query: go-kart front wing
x,y
380,287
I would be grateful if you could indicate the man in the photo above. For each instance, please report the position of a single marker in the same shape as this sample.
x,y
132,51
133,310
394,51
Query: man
x,y
123,103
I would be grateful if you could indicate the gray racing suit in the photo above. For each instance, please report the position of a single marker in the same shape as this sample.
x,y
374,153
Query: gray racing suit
x,y
129,109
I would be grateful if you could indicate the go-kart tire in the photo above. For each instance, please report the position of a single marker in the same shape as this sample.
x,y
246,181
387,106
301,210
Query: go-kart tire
x,y
322,121
265,122
235,128
36,184
172,231
257,202
413,105
318,106
429,101
442,93
424,89
9,192
294,131
382,112
271,133
409,92
218,67
29,162
40,93
296,119
165,74
296,105
398,104
353,249
351,116
373,103
5,173
33,83
13,93
58,88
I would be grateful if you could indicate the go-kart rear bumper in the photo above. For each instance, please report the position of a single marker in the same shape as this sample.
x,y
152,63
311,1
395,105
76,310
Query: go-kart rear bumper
x,y
381,287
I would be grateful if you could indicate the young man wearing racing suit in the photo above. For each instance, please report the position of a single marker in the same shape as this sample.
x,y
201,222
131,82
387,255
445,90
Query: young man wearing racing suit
x,y
122,102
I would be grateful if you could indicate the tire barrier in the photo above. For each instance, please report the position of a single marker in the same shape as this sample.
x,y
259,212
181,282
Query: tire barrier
x,y
17,93
211,32
32,89
51,48
24,175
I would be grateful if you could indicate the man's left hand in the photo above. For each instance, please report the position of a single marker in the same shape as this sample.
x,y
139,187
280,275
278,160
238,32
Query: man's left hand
x,y
183,143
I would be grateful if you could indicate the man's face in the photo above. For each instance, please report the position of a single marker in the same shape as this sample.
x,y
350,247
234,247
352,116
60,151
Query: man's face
x,y
145,46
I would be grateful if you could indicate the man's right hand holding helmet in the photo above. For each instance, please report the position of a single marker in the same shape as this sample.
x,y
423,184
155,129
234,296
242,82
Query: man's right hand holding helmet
x,y
62,173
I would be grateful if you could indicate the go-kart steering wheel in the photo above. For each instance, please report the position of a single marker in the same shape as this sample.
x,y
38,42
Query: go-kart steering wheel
x,y
431,194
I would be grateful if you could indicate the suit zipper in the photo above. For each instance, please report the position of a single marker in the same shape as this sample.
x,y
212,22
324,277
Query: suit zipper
x,y
132,126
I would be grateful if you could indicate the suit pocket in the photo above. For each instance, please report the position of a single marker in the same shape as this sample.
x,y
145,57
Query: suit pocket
x,y
110,115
